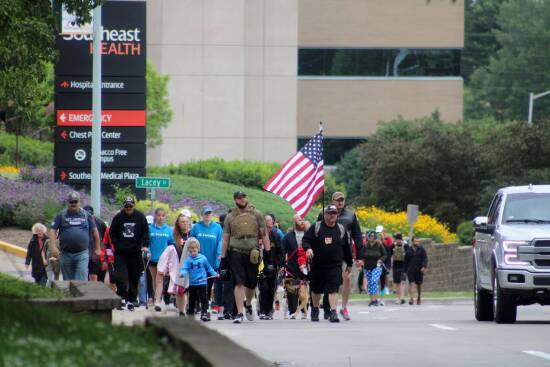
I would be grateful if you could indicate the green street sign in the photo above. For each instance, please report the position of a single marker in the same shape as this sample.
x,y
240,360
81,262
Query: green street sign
x,y
152,183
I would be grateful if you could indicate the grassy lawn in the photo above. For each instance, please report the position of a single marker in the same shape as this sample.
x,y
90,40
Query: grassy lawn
x,y
11,287
222,192
425,295
42,336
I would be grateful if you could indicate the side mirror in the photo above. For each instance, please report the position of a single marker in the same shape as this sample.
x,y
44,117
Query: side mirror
x,y
480,225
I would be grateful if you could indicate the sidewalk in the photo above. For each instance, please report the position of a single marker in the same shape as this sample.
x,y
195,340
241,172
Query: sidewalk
x,y
14,265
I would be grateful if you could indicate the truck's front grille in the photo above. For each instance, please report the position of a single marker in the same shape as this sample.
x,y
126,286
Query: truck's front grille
x,y
542,243
542,262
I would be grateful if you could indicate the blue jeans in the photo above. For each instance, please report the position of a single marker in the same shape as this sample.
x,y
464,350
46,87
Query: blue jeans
x,y
75,266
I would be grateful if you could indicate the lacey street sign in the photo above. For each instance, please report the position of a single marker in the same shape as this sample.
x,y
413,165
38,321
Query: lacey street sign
x,y
152,183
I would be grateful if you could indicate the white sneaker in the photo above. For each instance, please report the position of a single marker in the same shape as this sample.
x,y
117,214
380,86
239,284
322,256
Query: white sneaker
x,y
238,319
249,312
380,303
158,307
170,307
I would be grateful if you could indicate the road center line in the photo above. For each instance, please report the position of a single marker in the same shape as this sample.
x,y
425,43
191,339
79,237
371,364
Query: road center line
x,y
443,327
536,353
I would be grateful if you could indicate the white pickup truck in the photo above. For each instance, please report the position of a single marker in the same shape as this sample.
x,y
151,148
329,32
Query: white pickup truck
x,y
512,253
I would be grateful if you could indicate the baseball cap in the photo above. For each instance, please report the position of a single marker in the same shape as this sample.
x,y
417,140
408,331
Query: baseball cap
x,y
238,194
332,209
398,236
338,195
206,210
186,213
89,209
129,200
73,195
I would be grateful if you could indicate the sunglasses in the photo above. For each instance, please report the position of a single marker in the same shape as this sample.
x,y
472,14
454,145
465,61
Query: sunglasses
x,y
128,206
73,202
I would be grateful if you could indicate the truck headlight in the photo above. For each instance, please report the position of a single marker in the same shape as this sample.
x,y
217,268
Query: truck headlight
x,y
511,252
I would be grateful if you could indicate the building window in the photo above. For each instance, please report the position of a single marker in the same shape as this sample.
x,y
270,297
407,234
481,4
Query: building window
x,y
404,62
334,148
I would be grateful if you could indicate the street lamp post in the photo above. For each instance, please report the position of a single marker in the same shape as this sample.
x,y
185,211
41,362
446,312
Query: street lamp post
x,y
532,98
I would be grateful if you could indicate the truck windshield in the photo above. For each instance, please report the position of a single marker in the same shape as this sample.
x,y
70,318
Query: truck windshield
x,y
527,208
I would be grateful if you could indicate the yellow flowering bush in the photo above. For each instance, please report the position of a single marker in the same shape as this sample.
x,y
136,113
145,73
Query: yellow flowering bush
x,y
9,170
426,226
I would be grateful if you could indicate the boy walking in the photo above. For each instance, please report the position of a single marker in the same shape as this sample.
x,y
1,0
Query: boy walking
x,y
198,268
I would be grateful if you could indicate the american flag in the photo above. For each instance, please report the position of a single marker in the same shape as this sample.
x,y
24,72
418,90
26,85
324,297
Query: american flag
x,y
301,179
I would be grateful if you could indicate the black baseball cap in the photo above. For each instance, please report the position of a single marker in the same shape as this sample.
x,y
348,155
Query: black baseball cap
x,y
238,194
129,200
332,209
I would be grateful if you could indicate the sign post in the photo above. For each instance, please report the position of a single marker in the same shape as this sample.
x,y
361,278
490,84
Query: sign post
x,y
412,217
97,116
152,183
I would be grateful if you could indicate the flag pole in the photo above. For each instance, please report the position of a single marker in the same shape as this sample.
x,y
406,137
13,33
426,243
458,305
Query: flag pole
x,y
323,194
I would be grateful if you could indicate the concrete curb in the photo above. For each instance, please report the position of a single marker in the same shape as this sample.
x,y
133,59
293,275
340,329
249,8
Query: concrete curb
x,y
12,249
201,345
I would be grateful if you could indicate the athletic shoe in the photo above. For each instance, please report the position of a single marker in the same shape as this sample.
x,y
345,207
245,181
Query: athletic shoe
x,y
293,317
418,302
136,304
238,319
371,303
315,314
182,314
262,317
269,316
326,314
381,303
402,301
411,302
158,307
304,316
221,317
397,302
375,302
171,307
227,316
204,317
334,316
248,312
345,314
130,306
122,305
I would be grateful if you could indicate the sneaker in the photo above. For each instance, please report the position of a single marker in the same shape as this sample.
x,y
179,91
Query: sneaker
x,y
182,314
130,306
204,317
227,316
293,317
238,319
315,314
402,301
345,314
221,317
397,302
326,314
334,316
371,303
158,307
171,307
262,317
381,303
418,302
375,303
248,312
122,305
304,316
411,302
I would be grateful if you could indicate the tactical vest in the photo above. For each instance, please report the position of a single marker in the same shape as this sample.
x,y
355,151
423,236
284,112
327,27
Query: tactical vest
x,y
244,229
399,253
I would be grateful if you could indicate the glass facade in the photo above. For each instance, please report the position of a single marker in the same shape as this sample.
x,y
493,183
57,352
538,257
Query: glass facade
x,y
363,62
334,148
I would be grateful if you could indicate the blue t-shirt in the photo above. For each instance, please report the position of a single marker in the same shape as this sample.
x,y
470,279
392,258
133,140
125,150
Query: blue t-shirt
x,y
197,267
74,231
210,237
160,238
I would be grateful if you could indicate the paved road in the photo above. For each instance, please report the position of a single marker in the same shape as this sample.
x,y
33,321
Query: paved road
x,y
14,265
441,333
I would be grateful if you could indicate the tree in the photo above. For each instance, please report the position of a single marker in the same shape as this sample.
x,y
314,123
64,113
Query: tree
x,y
159,113
520,65
27,49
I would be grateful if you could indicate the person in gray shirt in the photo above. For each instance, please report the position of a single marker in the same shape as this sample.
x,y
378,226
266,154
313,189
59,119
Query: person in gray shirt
x,y
74,228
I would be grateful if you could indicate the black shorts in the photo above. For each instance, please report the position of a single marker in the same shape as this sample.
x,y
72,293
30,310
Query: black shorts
x,y
244,272
325,280
398,274
416,277
94,267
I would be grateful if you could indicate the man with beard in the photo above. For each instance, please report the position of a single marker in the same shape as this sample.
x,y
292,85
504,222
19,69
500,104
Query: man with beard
x,y
243,229
328,244
348,219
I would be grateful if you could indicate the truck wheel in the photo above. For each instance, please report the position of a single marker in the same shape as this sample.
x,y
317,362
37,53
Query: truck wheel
x,y
483,303
505,310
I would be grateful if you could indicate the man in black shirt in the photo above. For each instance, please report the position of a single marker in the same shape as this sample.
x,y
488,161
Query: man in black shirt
x,y
327,244
348,219
416,262
130,235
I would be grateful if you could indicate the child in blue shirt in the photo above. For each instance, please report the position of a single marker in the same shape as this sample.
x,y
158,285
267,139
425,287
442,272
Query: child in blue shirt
x,y
198,268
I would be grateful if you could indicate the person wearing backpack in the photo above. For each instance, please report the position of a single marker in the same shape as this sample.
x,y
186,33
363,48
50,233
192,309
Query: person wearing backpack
x,y
399,249
328,245
243,229
75,229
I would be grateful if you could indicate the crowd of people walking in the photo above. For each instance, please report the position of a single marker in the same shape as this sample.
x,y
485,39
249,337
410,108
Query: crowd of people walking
x,y
220,268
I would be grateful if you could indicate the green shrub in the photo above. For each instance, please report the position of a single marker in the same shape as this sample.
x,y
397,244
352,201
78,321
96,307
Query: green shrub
x,y
241,173
31,151
465,233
